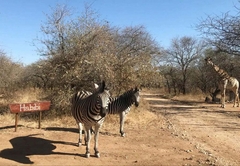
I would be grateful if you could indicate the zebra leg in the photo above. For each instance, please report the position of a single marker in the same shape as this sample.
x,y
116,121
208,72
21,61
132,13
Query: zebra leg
x,y
85,137
80,128
223,99
88,136
97,127
122,118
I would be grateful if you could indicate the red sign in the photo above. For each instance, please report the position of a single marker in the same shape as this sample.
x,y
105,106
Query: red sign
x,y
29,107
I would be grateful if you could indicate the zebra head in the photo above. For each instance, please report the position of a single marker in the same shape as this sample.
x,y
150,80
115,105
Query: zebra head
x,y
103,98
136,97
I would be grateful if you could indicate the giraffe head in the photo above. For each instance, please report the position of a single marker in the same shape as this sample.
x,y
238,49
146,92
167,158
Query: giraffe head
x,y
208,60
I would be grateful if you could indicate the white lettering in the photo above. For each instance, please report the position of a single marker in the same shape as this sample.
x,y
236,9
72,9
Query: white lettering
x,y
29,107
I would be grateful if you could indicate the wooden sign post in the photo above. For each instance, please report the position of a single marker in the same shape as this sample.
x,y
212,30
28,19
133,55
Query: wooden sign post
x,y
29,107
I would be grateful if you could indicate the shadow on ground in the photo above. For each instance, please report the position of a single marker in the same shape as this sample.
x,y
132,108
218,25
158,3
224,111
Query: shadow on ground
x,y
74,130
25,146
9,127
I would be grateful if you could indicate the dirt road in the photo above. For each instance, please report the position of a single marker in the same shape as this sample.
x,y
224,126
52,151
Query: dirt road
x,y
214,131
177,133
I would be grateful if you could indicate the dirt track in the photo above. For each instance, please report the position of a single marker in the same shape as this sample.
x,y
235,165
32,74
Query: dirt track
x,y
182,133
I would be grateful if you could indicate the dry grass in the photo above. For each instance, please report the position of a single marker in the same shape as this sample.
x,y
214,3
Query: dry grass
x,y
190,97
154,91
23,96
6,118
195,97
28,95
137,117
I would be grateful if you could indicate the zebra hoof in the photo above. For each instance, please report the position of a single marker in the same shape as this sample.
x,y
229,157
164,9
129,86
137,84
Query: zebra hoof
x,y
123,134
87,155
97,154
79,142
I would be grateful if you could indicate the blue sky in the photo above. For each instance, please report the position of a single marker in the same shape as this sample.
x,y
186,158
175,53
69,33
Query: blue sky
x,y
20,20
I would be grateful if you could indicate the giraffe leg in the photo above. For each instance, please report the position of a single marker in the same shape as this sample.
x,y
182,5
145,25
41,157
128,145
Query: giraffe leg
x,y
236,98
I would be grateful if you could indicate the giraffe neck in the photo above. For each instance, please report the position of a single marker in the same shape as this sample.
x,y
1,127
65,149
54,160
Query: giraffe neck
x,y
223,74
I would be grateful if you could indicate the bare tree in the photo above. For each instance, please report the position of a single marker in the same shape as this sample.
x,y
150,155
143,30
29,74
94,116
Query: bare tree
x,y
85,50
171,78
10,73
183,53
135,50
222,32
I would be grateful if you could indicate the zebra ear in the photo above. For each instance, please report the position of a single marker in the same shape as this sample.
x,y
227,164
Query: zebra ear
x,y
136,89
96,85
102,86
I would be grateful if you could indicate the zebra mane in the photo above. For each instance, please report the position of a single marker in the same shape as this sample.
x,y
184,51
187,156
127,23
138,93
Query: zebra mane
x,y
126,95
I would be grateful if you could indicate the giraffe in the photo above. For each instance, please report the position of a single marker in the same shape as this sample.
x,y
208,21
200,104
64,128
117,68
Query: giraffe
x,y
227,82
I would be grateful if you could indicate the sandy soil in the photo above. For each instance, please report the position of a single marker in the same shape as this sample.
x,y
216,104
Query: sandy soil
x,y
180,133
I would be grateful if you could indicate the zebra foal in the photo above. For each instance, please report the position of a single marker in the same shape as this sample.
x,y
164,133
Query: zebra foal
x,y
90,110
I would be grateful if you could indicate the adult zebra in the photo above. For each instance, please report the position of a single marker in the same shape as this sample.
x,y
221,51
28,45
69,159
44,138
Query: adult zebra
x,y
82,94
121,105
91,111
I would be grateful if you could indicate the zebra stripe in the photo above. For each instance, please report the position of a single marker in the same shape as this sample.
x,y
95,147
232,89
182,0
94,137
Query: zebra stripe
x,y
121,105
90,110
